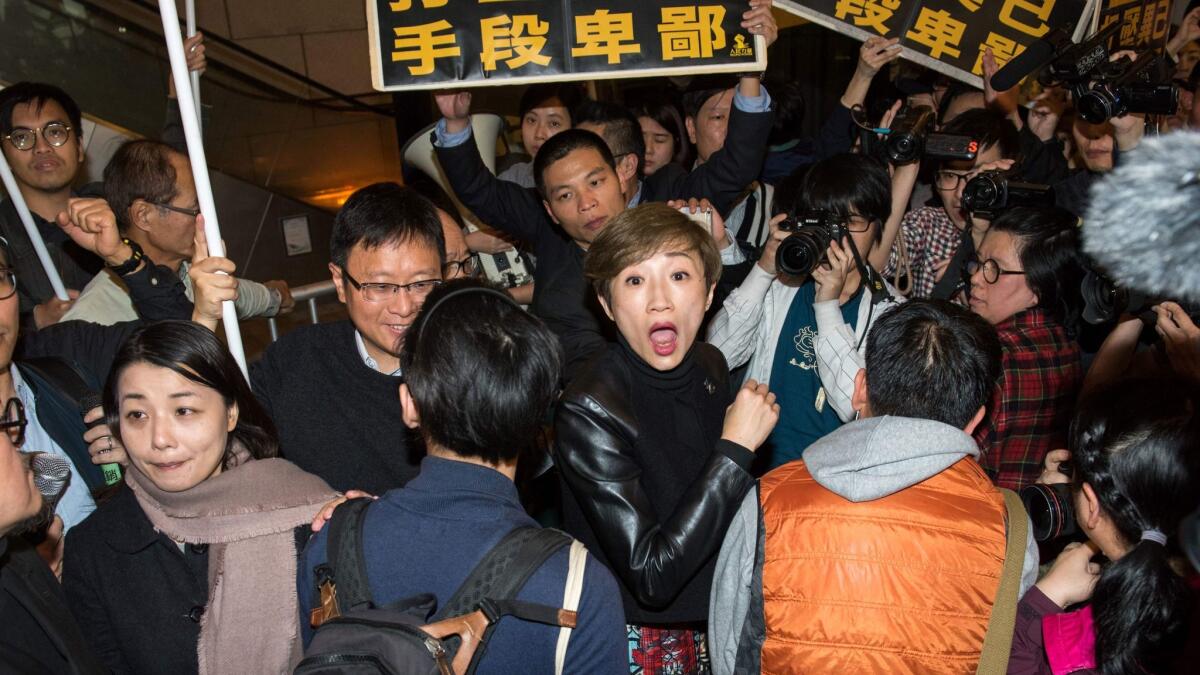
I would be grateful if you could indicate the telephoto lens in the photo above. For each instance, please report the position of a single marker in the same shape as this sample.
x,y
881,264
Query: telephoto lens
x,y
804,249
1051,510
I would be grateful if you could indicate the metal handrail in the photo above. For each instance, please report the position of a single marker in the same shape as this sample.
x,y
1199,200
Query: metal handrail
x,y
309,293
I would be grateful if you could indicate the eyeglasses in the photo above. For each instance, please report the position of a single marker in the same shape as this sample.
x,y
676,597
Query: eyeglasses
x,y
991,269
14,421
949,180
378,292
467,267
8,282
191,213
857,224
24,138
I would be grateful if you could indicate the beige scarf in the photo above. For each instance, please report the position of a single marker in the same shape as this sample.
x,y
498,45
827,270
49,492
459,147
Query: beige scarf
x,y
247,514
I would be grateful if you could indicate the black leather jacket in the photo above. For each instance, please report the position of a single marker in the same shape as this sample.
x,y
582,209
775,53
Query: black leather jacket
x,y
656,549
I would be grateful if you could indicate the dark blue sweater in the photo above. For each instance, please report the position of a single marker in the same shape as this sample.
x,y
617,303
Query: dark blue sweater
x,y
427,537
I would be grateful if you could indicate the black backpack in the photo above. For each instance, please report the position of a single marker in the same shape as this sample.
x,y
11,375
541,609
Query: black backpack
x,y
356,637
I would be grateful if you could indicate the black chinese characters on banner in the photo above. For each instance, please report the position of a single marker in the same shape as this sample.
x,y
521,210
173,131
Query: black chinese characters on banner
x,y
420,44
1144,23
952,33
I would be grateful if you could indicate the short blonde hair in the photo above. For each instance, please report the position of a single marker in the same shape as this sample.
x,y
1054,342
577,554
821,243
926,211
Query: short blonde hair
x,y
639,234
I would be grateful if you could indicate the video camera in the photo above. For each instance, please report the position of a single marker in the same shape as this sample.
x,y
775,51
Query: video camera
x,y
911,137
1104,301
1104,89
990,192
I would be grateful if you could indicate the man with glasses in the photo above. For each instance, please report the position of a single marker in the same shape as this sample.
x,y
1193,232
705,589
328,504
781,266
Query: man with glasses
x,y
39,635
40,136
333,388
931,235
149,187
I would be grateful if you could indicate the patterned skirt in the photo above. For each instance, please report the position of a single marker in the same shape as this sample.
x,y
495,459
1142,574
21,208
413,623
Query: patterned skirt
x,y
667,651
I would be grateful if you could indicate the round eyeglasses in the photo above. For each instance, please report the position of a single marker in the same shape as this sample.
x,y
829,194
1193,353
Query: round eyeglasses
x,y
8,282
24,138
991,269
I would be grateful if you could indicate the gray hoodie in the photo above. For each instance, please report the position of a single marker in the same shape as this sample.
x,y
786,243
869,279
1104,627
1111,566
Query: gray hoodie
x,y
862,461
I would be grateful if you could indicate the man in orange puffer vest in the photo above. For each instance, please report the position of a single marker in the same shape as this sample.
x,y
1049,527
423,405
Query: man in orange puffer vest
x,y
881,550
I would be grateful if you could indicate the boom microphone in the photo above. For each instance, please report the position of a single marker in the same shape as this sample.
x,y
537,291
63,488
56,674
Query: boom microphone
x,y
1037,54
1143,223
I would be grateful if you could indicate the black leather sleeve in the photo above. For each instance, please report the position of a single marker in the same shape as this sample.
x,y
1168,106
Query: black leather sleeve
x,y
654,558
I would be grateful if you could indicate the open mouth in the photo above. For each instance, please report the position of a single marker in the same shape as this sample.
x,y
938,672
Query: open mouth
x,y
664,338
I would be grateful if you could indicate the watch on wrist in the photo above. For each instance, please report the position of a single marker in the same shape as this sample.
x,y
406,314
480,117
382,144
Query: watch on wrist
x,y
135,259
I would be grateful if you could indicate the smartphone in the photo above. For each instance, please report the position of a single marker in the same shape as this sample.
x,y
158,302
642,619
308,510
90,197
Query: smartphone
x,y
702,217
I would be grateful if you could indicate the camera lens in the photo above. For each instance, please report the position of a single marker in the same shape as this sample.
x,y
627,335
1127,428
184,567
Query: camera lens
x,y
803,250
979,193
1050,509
1098,105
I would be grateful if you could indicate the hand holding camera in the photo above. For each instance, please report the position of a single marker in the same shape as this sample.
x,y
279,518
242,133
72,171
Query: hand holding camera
x,y
831,276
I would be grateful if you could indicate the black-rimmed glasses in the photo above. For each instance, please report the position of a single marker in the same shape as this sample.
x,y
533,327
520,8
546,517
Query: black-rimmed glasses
x,y
14,421
8,282
949,180
991,269
466,267
191,213
380,292
23,138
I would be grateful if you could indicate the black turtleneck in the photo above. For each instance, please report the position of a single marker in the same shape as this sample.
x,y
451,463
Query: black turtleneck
x,y
668,429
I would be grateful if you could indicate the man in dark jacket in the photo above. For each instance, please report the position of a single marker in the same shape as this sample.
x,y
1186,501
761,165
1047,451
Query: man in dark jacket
x,y
39,635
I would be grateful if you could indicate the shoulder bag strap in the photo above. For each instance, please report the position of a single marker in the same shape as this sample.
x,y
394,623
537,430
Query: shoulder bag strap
x,y
948,285
997,643
572,591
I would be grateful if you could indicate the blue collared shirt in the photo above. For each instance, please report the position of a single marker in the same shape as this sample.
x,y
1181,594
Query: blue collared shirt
x,y
76,503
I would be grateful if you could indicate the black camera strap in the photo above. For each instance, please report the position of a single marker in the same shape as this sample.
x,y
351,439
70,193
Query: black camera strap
x,y
952,279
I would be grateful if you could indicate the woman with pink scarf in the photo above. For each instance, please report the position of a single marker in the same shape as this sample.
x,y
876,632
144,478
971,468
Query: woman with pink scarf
x,y
190,566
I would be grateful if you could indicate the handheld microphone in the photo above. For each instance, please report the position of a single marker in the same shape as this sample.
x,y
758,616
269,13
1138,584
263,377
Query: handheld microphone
x,y
112,470
51,474
1143,225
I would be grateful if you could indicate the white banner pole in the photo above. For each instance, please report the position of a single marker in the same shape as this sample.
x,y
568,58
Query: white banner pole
x,y
14,193
190,13
191,129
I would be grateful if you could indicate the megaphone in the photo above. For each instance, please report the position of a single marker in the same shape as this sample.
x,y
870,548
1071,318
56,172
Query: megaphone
x,y
507,269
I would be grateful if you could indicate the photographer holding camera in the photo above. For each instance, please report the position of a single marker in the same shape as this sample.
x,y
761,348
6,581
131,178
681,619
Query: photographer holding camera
x,y
1135,475
802,315
1176,350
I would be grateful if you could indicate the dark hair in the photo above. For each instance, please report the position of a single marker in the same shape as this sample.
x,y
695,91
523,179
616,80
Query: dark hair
x,y
621,129
482,372
989,127
703,88
564,143
1136,443
385,213
569,94
666,114
1049,250
789,192
140,169
842,182
36,94
932,359
788,100
194,352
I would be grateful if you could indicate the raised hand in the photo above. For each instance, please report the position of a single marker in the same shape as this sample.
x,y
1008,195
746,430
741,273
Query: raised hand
x,y
751,417
455,107
212,281
92,225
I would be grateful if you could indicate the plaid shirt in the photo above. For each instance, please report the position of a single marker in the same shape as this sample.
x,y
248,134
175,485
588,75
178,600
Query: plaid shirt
x,y
1034,399
930,239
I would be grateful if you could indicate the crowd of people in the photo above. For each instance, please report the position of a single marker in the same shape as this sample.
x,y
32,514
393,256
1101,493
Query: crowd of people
x,y
790,405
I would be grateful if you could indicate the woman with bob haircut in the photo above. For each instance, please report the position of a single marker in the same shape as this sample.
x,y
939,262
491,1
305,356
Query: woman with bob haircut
x,y
653,447
1135,453
191,565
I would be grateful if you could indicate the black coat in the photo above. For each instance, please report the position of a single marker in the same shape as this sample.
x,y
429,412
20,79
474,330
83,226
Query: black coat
x,y
37,632
138,596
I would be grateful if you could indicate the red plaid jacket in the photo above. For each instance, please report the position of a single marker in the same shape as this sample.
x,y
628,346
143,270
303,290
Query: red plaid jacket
x,y
1034,399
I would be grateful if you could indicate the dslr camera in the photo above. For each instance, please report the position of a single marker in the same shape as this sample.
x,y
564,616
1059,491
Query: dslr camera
x,y
807,245
912,137
1104,301
989,193
1050,508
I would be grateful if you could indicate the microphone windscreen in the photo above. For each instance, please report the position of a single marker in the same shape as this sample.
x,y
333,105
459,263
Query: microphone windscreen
x,y
50,474
1036,55
1143,220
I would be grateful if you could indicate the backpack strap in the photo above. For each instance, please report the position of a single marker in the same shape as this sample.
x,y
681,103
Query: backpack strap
x,y
68,389
571,593
345,555
505,569
997,643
